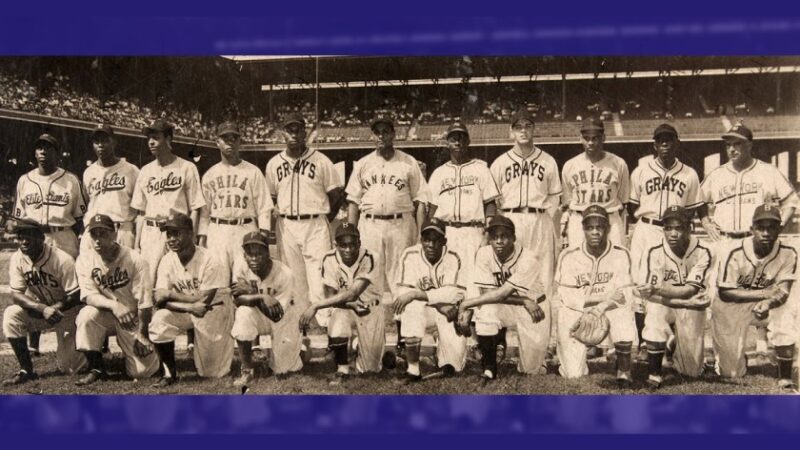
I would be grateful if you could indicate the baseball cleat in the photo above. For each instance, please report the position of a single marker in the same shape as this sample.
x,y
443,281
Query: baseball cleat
x,y
20,377
90,378
245,378
34,351
389,360
654,383
408,379
164,382
486,378
787,385
624,383
338,379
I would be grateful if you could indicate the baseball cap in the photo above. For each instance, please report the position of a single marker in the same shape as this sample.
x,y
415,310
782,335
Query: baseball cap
x,y
292,119
592,124
100,221
665,128
158,126
676,212
433,224
346,229
456,127
521,114
739,131
27,226
178,221
501,221
228,128
380,119
767,212
594,211
103,128
255,237
49,139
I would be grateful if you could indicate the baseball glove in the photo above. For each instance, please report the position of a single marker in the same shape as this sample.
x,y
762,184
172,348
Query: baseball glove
x,y
462,324
590,328
449,311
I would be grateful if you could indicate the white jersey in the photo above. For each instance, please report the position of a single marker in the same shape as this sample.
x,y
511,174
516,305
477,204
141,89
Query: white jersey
x,y
124,279
341,277
460,192
527,182
605,183
49,279
160,189
736,195
379,186
301,185
662,266
54,200
442,281
741,268
237,192
655,188
578,288
520,272
110,190
202,273
278,284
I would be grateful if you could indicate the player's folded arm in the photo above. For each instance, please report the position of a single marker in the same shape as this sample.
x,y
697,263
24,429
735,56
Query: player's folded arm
x,y
27,303
680,292
741,295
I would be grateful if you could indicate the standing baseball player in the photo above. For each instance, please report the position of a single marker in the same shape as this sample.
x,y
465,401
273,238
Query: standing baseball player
x,y
188,279
349,278
109,184
672,279
263,293
237,199
595,177
45,296
592,278
430,284
115,287
511,295
755,278
168,184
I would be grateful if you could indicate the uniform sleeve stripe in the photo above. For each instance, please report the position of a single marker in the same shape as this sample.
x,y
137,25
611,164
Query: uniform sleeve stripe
x,y
517,286
727,263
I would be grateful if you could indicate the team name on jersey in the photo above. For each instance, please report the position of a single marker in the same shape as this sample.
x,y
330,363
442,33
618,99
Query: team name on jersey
x,y
112,280
186,285
532,169
169,183
593,176
585,279
112,182
729,190
304,167
670,184
426,283
451,184
267,290
749,281
391,180
228,200
51,199
39,278
501,277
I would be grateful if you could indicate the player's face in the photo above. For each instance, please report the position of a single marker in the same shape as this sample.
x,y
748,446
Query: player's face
x,y
46,155
102,239
295,135
592,142
522,131
458,144
158,142
256,256
179,239
30,244
385,134
502,241
348,247
765,232
676,233
595,231
666,146
433,245
228,144
103,146
738,150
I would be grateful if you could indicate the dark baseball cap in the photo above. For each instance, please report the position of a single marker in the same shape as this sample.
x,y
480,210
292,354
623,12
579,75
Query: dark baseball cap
x,y
676,212
433,224
594,211
592,125
292,119
47,138
740,132
27,226
665,128
522,114
178,221
158,126
256,237
501,221
103,128
767,212
456,127
346,229
100,221
380,119
228,128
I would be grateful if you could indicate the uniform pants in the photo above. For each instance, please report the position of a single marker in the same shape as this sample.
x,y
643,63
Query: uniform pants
x,y
533,337
451,348
18,322
152,247
302,244
226,242
689,328
387,239
370,331
249,323
572,352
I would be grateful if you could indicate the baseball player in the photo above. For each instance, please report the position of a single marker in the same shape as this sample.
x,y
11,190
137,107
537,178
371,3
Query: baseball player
x,y
237,199
673,279
593,276
595,177
186,285
109,184
263,294
167,184
429,284
114,285
755,278
349,278
45,295
511,295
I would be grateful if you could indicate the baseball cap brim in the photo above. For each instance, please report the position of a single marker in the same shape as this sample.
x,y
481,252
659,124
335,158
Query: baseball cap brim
x,y
95,225
737,136
594,214
432,228
255,242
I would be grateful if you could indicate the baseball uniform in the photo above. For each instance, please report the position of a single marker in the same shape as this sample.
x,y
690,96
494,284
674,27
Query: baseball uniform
x,y
605,183
584,281
213,351
301,188
159,190
110,190
49,280
250,322
125,280
369,328
385,192
55,202
443,282
238,202
520,271
660,266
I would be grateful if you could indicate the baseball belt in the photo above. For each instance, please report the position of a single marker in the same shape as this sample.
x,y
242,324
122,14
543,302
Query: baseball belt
x,y
301,216
154,222
474,223
655,222
52,229
384,216
525,209
232,221
736,234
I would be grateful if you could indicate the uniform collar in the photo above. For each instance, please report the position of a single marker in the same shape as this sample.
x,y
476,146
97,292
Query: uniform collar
x,y
516,156
585,250
729,166
749,252
512,260
693,243
658,165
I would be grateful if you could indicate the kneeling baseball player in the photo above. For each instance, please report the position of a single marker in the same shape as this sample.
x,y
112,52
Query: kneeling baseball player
x,y
429,285
591,278
673,280
511,296
349,276
187,281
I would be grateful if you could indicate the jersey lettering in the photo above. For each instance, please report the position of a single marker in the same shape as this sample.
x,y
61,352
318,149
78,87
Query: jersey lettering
x,y
186,285
665,184
525,169
39,278
304,167
52,199
168,184
111,182
119,278
392,180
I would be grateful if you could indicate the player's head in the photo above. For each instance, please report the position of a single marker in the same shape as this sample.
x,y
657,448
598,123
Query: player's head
x,y
159,136
46,151
383,129
256,251
666,142
180,232
522,126
457,137
103,142
739,143
294,131
502,235
677,227
228,139
593,135
433,240
766,225
30,237
595,226
348,242
103,232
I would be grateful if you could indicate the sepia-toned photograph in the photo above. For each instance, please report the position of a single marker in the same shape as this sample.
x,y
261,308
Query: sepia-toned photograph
x,y
341,225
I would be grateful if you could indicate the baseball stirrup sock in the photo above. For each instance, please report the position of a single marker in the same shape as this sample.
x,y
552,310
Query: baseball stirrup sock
x,y
339,348
488,346
95,360
623,350
655,357
166,351
784,354
639,317
20,347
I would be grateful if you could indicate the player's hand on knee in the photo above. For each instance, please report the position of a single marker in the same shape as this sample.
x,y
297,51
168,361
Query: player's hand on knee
x,y
761,310
198,309
450,312
699,303
536,312
125,316
645,291
400,303
241,287
307,316
272,309
52,315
